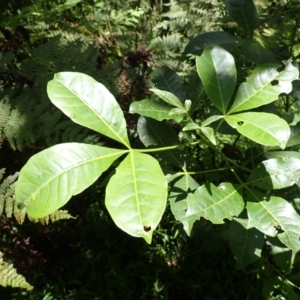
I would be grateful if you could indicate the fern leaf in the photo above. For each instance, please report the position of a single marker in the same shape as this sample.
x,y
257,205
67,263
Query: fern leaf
x,y
10,277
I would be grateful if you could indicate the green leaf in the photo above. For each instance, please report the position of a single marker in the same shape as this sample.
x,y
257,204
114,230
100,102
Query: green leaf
x,y
88,103
168,80
275,173
180,194
209,133
51,177
215,203
168,98
282,154
155,110
136,195
191,126
198,43
262,128
258,54
211,120
195,91
154,134
244,13
216,69
245,242
295,136
264,86
177,111
274,216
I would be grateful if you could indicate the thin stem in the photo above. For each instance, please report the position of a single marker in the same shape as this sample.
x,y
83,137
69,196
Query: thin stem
x,y
167,148
203,172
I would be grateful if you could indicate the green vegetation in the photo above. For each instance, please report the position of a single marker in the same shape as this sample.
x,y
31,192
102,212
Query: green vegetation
x,y
176,121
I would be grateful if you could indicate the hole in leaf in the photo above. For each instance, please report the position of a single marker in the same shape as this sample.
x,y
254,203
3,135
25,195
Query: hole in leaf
x,y
147,228
278,229
240,123
274,82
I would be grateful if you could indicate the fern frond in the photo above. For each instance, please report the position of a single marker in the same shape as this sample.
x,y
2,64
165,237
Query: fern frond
x,y
55,216
10,277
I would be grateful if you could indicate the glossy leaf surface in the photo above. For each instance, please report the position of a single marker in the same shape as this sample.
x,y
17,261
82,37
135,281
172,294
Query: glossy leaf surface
x,y
216,69
246,242
275,173
88,103
215,203
136,195
261,87
263,128
244,13
51,177
274,216
155,110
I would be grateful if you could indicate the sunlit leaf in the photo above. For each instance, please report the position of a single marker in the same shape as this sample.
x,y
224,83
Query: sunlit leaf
x,y
136,195
217,71
263,128
215,203
275,173
51,177
274,216
264,86
87,102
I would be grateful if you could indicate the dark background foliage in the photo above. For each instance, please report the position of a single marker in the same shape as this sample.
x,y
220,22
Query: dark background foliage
x,y
120,43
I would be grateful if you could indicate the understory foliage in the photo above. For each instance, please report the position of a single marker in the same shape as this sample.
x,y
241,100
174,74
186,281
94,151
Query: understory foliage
x,y
187,111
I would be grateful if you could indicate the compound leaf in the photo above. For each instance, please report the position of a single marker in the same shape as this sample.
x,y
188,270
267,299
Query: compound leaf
x,y
51,177
136,195
88,103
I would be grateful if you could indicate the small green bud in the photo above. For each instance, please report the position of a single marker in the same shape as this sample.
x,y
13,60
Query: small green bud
x,y
187,104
